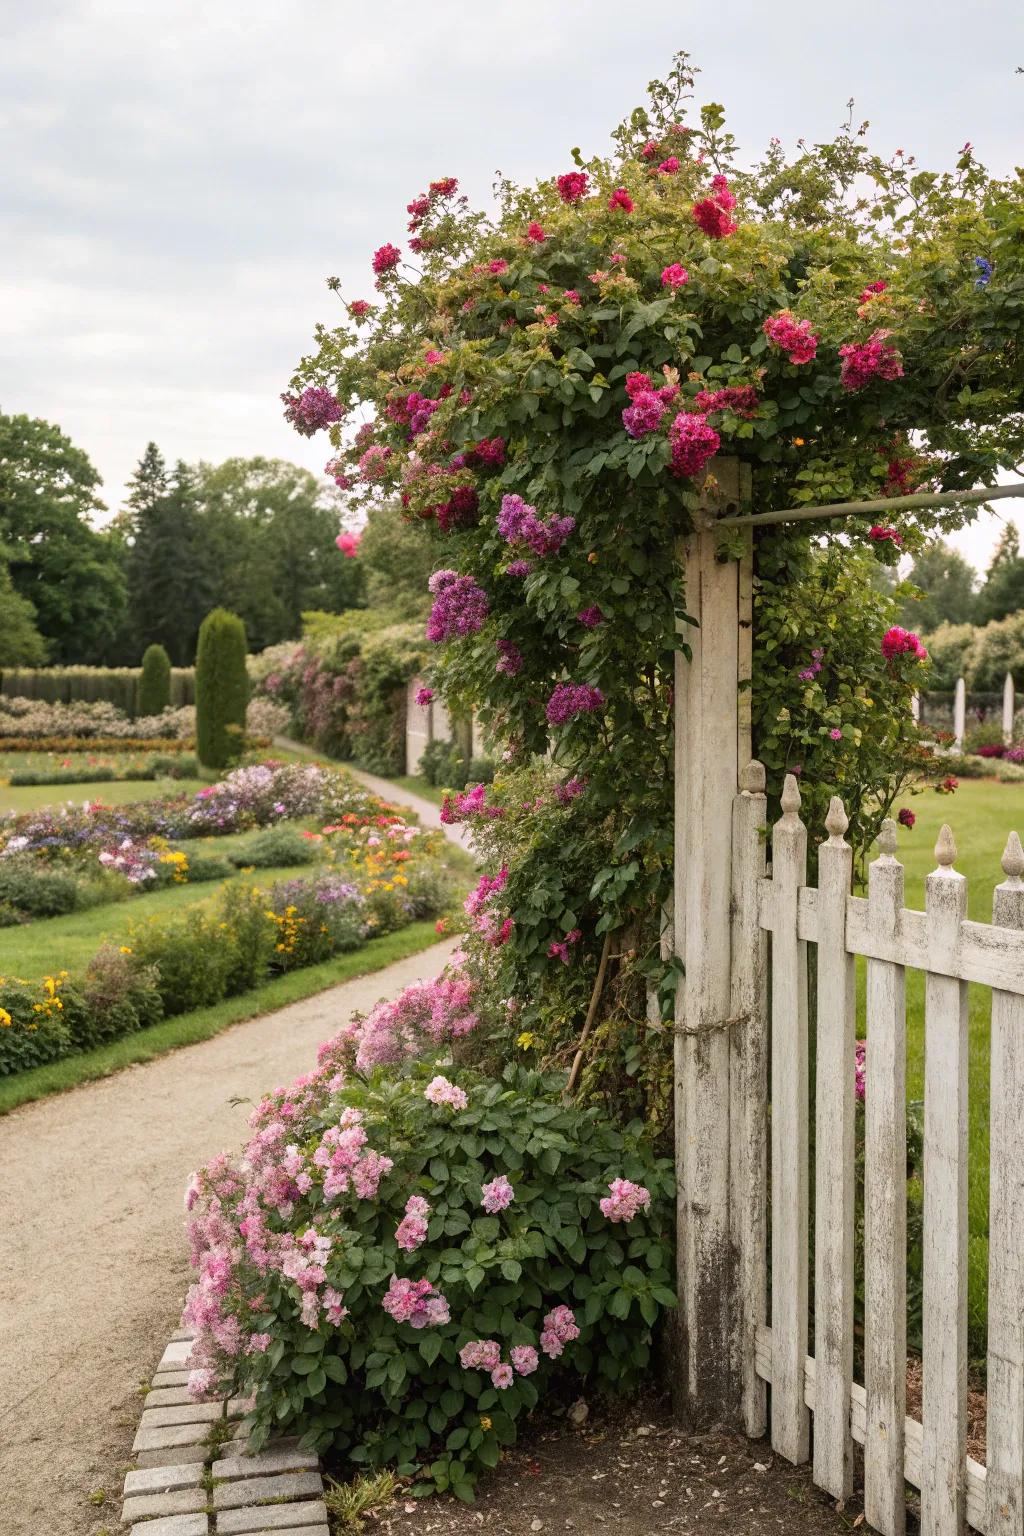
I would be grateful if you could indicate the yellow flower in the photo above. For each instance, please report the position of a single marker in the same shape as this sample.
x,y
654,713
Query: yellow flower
x,y
125,949
485,1422
526,1039
5,1019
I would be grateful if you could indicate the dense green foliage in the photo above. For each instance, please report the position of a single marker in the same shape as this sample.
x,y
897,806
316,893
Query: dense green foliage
x,y
345,686
58,562
222,689
155,681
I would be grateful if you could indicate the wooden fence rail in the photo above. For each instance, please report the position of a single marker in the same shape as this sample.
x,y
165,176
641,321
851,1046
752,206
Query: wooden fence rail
x,y
952,952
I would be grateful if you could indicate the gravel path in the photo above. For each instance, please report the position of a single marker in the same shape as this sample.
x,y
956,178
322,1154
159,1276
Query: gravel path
x,y
92,1258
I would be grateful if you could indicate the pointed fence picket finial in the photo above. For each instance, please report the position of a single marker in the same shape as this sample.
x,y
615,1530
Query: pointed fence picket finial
x,y
790,798
945,847
887,839
752,778
837,821
1013,858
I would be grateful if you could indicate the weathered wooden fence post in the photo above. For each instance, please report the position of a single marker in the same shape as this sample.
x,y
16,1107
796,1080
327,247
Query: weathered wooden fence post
x,y
959,716
1008,709
708,734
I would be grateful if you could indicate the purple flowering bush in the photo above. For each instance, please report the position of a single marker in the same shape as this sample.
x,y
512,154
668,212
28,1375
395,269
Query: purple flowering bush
x,y
403,1265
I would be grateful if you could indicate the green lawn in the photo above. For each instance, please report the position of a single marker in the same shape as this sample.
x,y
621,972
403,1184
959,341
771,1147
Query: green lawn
x,y
981,813
188,1028
29,797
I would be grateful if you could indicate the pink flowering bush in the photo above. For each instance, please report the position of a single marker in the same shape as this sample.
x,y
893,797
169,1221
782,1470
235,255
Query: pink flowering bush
x,y
365,1273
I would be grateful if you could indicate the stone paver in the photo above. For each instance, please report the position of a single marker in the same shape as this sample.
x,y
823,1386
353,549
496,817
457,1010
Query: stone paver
x,y
264,1465
183,1501
292,1518
164,1479
163,1437
171,1378
168,1397
175,1355
158,1417
175,1525
169,1456
258,1490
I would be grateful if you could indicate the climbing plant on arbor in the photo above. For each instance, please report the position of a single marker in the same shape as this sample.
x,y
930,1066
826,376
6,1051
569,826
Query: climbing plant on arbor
x,y
542,389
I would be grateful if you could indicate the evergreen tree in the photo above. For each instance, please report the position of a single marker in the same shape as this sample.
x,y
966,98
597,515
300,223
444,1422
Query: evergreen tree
x,y
222,689
155,682
1003,591
167,573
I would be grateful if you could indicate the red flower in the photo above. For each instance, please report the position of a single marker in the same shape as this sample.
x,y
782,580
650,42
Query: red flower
x,y
902,642
906,818
670,166
535,233
446,187
880,534
386,258
620,198
572,186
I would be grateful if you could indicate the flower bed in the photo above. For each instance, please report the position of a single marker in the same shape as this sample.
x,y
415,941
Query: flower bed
x,y
97,770
404,1262
37,721
216,949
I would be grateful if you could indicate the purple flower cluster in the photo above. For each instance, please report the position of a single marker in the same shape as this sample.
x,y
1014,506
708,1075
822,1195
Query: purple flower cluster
x,y
510,661
460,607
591,617
316,407
808,674
571,699
644,415
518,523
564,793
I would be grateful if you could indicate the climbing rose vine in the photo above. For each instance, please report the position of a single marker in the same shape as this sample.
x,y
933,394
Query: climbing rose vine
x,y
545,391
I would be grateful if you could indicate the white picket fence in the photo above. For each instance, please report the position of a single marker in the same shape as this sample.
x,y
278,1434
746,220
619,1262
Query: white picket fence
x,y
775,1347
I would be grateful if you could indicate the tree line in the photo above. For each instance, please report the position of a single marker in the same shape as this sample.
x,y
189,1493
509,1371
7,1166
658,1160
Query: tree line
x,y
253,535
951,591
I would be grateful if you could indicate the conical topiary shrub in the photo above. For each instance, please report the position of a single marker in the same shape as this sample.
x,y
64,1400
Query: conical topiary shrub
x,y
222,689
155,682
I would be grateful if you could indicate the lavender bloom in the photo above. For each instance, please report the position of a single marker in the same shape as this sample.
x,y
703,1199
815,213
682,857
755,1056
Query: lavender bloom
x,y
571,699
316,407
460,607
518,523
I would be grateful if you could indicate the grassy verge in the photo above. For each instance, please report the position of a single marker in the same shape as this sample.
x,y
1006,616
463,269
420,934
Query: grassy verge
x,y
415,785
190,1028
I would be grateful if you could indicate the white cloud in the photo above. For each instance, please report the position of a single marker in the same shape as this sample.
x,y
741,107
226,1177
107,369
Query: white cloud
x,y
180,176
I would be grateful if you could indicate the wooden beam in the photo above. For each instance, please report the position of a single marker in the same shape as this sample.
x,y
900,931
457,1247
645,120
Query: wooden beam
x,y
868,508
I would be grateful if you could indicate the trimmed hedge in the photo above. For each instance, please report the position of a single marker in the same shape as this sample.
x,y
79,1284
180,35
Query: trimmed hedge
x,y
222,688
89,685
155,683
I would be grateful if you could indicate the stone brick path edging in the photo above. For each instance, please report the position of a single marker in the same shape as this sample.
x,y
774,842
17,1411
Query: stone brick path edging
x,y
194,1475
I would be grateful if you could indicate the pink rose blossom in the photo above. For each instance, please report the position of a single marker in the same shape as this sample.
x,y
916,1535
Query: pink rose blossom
x,y
625,1200
497,1194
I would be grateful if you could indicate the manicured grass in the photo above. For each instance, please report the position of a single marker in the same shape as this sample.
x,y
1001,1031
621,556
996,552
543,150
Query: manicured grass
x,y
980,813
189,1028
30,797
68,943
416,785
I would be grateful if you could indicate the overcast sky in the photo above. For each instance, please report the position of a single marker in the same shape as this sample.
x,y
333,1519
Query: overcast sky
x,y
180,177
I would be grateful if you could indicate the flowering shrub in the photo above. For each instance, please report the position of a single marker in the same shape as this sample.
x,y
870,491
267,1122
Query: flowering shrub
x,y
344,689
34,719
315,919
399,1268
34,1026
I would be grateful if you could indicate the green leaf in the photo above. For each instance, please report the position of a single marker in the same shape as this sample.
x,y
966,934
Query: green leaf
x,y
430,1347
511,1269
